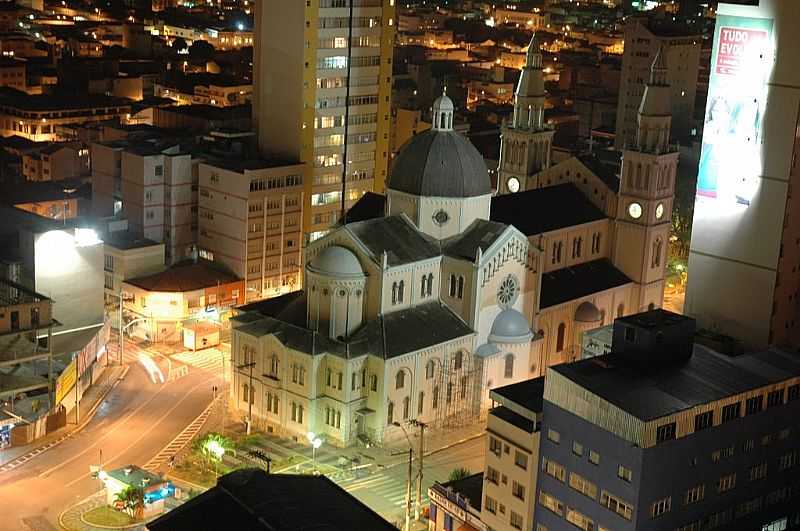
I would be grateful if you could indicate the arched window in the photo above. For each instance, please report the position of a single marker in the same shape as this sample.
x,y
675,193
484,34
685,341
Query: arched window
x,y
452,285
394,293
560,248
459,359
400,379
430,284
508,371
423,286
638,176
657,245
435,403
274,365
554,258
421,403
562,328
406,403
620,310
429,368
390,413
373,382
401,288
464,381
460,287
580,245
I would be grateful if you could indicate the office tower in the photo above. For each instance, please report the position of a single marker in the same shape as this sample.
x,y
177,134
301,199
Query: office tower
x,y
666,434
322,83
643,39
743,274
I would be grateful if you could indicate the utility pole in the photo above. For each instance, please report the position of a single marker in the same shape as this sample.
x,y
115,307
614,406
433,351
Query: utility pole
x,y
417,506
408,488
121,327
77,388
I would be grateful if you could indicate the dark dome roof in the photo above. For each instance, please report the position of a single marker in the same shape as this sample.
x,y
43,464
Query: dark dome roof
x,y
440,164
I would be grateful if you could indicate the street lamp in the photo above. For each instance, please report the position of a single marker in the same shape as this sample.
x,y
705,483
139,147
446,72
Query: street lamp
x,y
214,448
316,442
410,474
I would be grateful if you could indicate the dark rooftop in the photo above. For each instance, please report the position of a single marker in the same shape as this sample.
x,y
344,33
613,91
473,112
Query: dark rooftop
x,y
185,276
53,102
578,281
471,487
515,419
606,170
481,233
290,308
251,499
125,241
705,377
545,209
37,191
369,206
397,236
527,394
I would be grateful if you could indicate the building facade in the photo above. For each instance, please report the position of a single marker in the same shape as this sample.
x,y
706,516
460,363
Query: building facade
x,y
322,87
641,449
250,219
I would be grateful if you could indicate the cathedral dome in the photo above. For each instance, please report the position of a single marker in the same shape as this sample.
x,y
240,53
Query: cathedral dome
x,y
587,313
510,326
336,261
440,163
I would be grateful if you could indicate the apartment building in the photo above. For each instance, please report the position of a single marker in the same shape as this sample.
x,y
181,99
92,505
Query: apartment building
x,y
128,256
681,48
159,195
666,434
322,90
250,218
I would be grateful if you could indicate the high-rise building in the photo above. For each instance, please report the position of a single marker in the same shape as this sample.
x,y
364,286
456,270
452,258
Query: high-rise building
x,y
322,89
665,434
746,231
681,47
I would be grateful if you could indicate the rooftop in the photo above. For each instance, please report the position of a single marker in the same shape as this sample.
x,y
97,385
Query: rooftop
x,y
126,241
369,206
527,394
251,499
134,476
185,276
481,233
471,487
55,102
578,281
12,294
703,378
545,209
395,235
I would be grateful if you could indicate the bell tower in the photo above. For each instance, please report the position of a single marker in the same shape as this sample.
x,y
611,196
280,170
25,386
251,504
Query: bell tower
x,y
647,190
526,142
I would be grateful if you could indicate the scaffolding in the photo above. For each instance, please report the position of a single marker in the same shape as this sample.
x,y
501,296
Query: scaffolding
x,y
459,383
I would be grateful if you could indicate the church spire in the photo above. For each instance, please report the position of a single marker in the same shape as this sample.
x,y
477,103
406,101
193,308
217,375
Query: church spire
x,y
443,110
655,112
529,96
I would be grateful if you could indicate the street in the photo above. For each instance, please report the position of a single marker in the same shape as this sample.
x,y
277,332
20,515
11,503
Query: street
x,y
136,420
384,491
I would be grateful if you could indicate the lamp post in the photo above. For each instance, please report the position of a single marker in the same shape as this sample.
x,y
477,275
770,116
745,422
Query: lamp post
x,y
216,450
316,442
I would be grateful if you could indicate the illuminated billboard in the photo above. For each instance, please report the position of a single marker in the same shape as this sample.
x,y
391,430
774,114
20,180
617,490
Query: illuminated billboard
x,y
730,161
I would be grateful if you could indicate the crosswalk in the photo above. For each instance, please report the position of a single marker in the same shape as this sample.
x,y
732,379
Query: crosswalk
x,y
210,359
181,440
387,487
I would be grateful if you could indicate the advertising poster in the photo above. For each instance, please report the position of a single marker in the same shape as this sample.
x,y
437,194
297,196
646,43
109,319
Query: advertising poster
x,y
730,161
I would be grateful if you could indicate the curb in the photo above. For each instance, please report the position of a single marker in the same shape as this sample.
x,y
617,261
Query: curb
x,y
52,444
194,486
100,526
452,444
62,513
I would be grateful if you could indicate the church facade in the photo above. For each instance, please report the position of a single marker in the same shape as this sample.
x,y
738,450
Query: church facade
x,y
451,290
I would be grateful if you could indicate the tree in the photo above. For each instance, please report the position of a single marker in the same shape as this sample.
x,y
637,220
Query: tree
x,y
212,448
458,473
201,51
131,500
179,44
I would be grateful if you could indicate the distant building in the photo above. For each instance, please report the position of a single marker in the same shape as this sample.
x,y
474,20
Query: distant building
x,y
250,218
253,500
206,89
667,434
13,73
681,47
127,256
57,162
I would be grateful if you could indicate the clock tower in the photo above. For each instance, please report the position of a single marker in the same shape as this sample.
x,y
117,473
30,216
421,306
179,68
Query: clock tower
x,y
525,143
647,189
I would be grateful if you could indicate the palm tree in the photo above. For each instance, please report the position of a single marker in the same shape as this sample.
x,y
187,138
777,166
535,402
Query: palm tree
x,y
458,474
212,447
131,500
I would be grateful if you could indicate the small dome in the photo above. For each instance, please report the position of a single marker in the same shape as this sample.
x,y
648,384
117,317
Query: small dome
x,y
510,326
588,313
443,103
336,261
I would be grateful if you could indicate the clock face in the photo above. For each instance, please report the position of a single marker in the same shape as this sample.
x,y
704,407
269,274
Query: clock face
x,y
513,185
659,210
635,210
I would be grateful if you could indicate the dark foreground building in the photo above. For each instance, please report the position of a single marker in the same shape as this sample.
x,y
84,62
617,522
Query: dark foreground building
x,y
250,499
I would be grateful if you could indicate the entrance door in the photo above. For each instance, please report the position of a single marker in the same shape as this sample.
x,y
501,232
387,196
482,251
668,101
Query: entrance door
x,y
360,425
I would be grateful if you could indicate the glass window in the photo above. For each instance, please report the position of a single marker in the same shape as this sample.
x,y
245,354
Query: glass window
x,y
554,436
661,506
577,448
594,457
665,432
521,460
624,474
583,485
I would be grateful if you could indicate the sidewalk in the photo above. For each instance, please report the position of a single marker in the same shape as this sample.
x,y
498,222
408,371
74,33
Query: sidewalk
x,y
11,458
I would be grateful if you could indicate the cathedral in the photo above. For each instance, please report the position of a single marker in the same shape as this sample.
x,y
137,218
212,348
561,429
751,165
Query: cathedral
x,y
417,308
